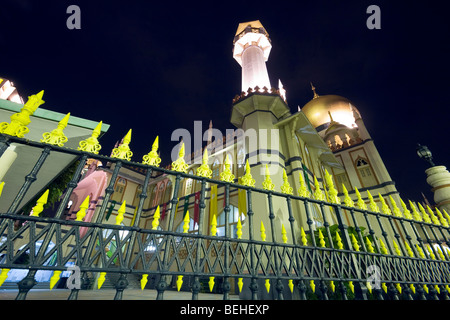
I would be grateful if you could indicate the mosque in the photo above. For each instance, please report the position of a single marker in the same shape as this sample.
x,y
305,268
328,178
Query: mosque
x,y
326,135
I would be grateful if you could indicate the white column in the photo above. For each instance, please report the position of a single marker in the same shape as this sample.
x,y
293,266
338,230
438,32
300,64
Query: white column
x,y
439,178
6,161
254,70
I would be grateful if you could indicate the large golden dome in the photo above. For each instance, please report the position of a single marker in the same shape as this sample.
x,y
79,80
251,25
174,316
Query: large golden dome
x,y
318,110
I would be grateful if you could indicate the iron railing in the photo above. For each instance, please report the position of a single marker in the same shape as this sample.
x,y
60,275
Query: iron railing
x,y
414,264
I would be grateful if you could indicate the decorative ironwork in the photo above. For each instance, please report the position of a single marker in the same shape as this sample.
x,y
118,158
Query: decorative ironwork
x,y
407,247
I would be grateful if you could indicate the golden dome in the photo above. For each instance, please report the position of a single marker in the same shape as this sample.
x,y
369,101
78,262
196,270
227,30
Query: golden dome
x,y
318,110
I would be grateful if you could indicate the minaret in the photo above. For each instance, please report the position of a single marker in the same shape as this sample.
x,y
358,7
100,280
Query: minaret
x,y
251,50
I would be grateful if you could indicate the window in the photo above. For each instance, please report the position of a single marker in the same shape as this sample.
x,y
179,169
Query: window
x,y
233,216
188,185
216,169
119,190
365,172
341,179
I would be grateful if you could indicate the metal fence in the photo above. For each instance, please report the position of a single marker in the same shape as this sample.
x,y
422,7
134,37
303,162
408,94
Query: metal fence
x,y
308,263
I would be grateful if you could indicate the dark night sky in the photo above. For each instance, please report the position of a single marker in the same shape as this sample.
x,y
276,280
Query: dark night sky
x,y
155,67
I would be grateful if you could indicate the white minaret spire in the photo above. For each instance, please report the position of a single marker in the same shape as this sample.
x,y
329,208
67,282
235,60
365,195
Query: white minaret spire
x,y
251,50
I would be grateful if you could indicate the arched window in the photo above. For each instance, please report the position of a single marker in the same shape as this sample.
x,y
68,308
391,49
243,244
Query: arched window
x,y
365,173
241,158
233,217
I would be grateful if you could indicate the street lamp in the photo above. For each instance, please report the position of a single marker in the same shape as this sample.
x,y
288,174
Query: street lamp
x,y
424,153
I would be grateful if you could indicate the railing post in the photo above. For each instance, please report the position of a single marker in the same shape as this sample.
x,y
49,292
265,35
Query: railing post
x,y
196,285
254,272
162,283
359,287
226,287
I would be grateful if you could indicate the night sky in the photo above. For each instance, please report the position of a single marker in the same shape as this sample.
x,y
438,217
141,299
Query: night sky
x,y
158,66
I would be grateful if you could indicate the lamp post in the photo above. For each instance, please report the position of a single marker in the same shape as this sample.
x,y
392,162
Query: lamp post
x,y
424,153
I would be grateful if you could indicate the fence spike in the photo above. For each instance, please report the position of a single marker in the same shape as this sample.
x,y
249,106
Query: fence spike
x,y
239,229
372,205
303,190
303,236
360,203
396,248
406,212
91,144
101,280
384,207
263,232
347,200
321,241
144,281
214,225
369,245
204,170
332,192
19,121
247,179
57,136
447,288
120,213
441,218
408,249
312,285
211,283
426,217
369,286
267,285
186,222
433,217
156,216
447,216
291,285
415,213
83,207
441,255
240,284
227,175
420,251
318,193
152,158
382,247
286,187
332,286
283,234
436,287
425,287
383,285
352,287
55,278
3,276
179,282
355,243
267,183
399,287
413,289
395,210
39,207
180,165
430,252
339,241
2,184
123,150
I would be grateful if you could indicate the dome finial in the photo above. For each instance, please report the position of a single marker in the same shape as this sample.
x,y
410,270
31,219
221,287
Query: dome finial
x,y
314,90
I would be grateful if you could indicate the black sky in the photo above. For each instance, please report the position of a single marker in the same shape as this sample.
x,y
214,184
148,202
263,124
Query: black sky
x,y
158,66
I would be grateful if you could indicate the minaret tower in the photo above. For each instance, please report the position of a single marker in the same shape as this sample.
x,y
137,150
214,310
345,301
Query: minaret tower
x,y
251,50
